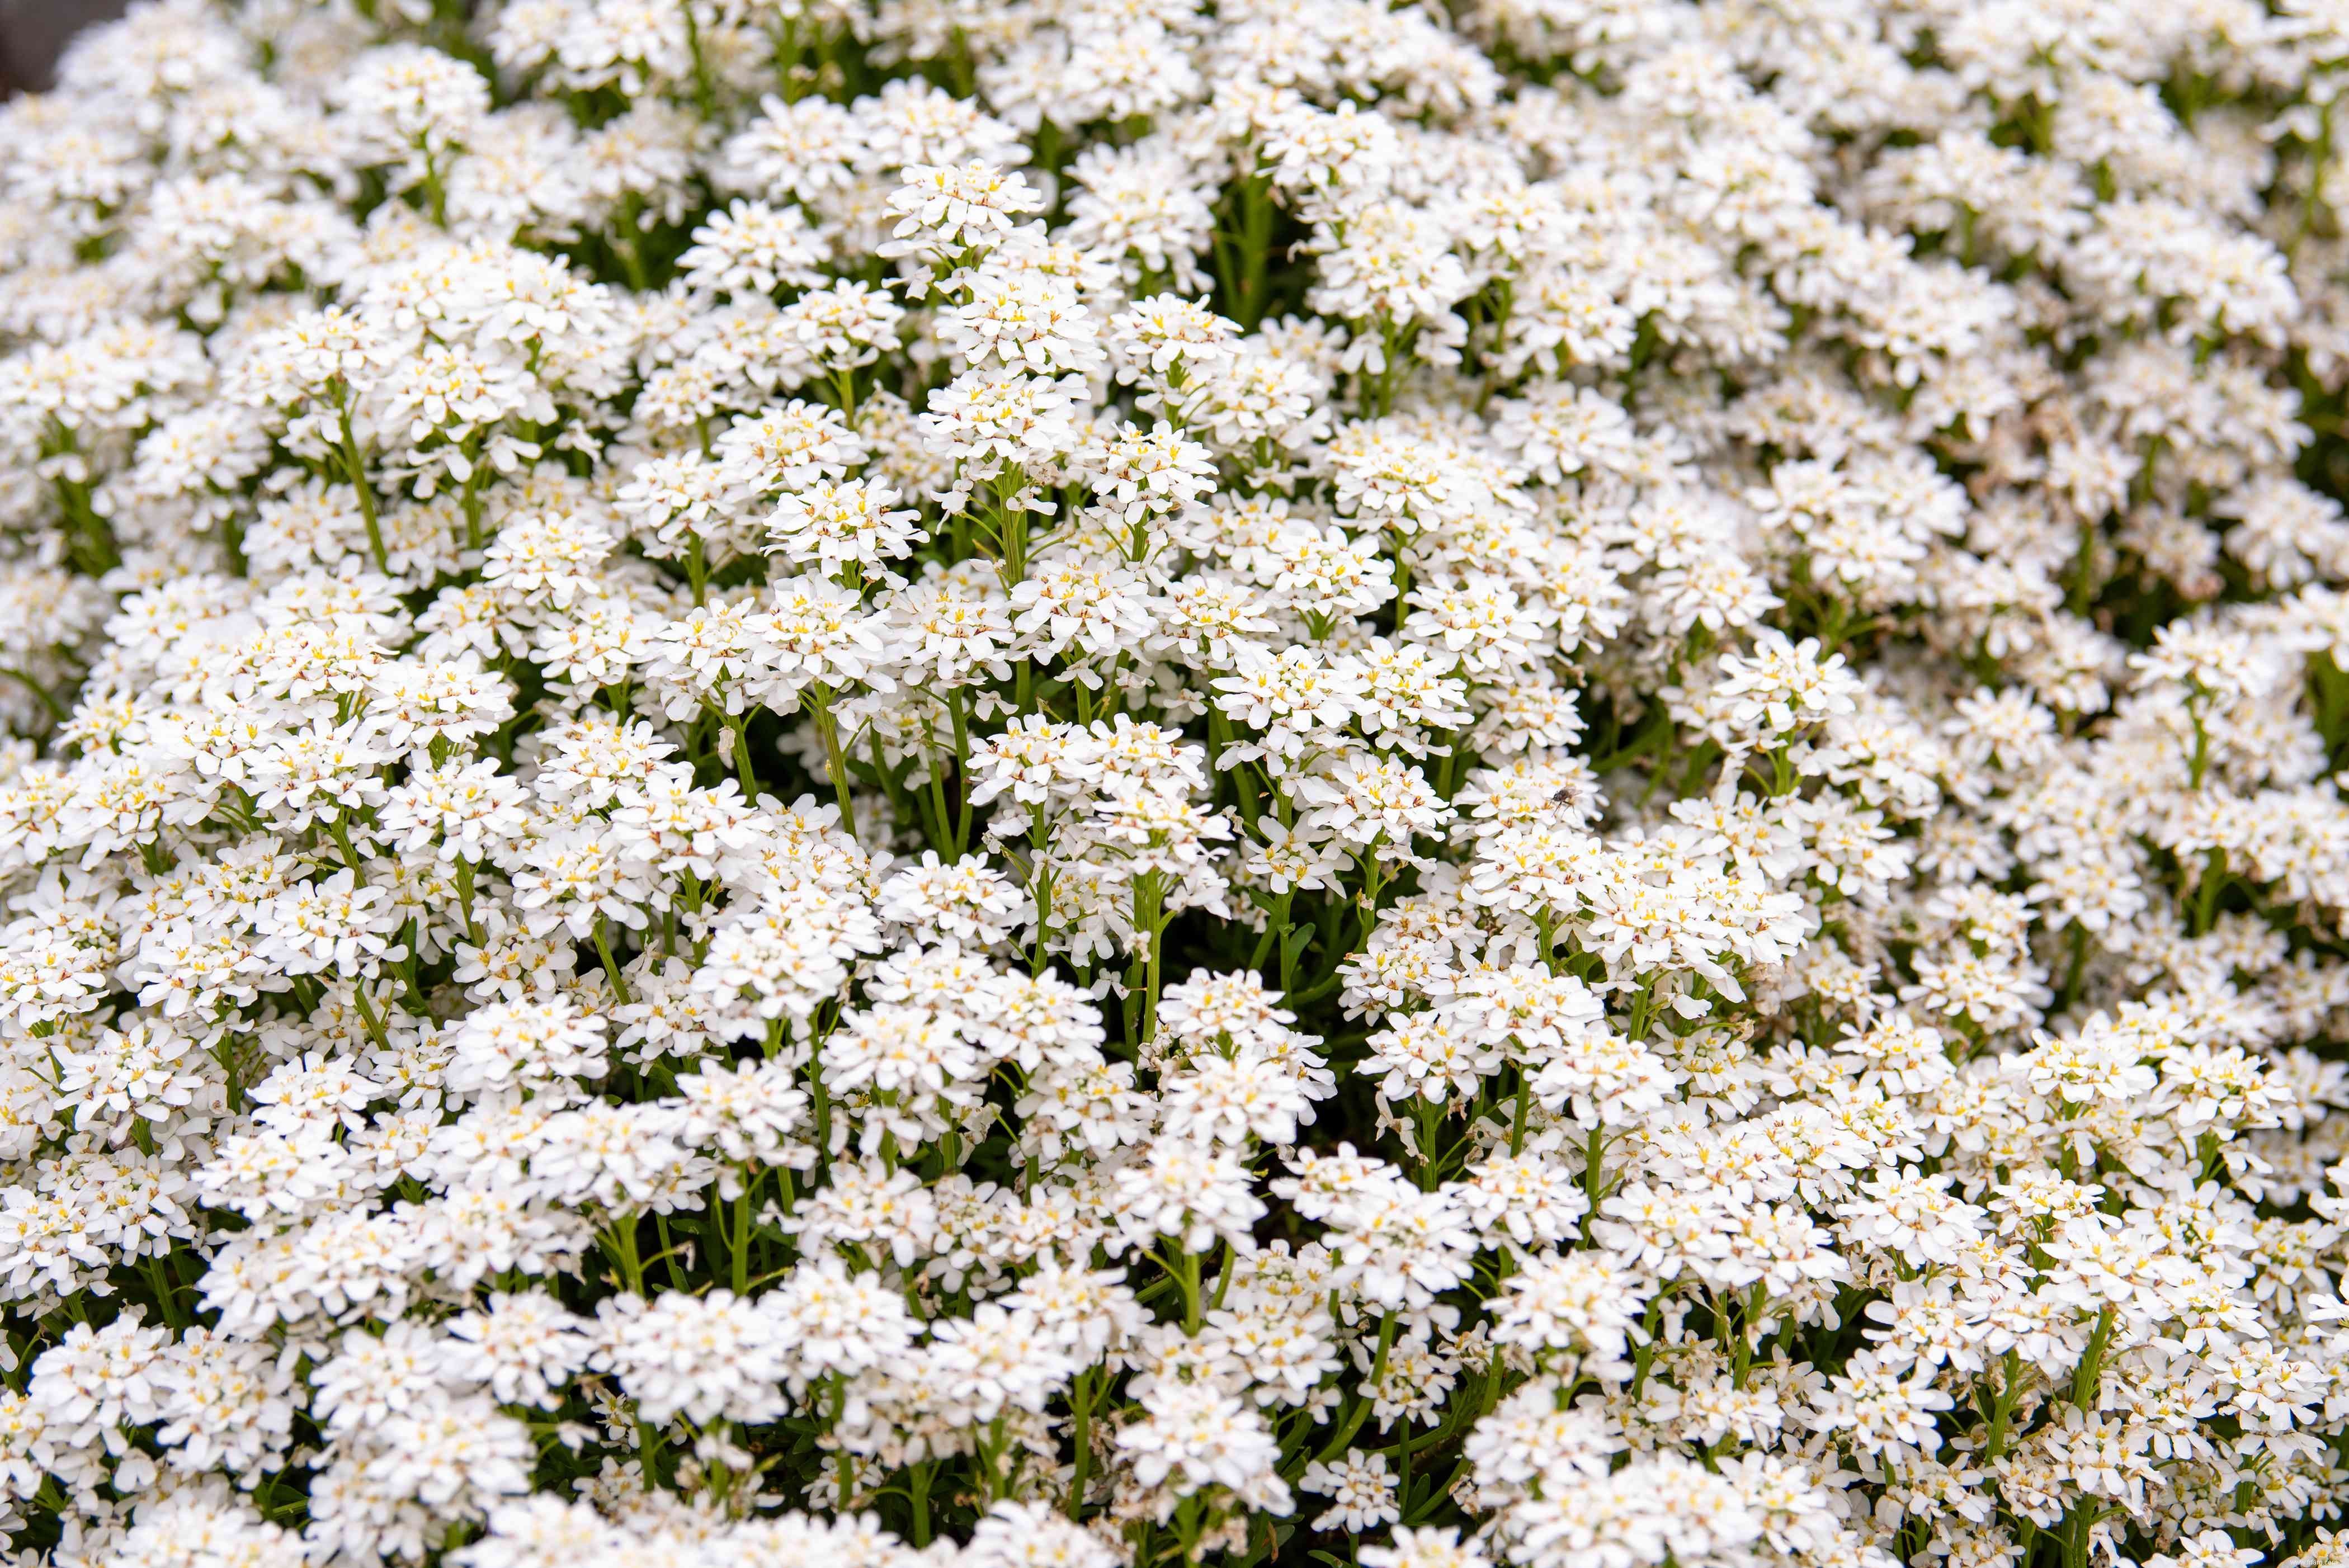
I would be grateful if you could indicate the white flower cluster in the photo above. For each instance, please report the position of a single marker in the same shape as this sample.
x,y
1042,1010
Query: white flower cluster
x,y
1064,784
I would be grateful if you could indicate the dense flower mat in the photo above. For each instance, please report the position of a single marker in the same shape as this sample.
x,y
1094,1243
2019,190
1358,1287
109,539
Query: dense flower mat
x,y
1074,783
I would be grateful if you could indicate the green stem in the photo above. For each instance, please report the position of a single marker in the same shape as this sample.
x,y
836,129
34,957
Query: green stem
x,y
358,469
822,1098
836,761
704,97
1081,1405
2206,896
2002,1408
744,774
624,1251
2091,1368
1345,1434
367,1015
611,963
1594,1187
1149,925
465,899
919,1489
740,1250
167,1296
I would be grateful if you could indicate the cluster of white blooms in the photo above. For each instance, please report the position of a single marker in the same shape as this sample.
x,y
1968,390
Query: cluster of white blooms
x,y
1066,784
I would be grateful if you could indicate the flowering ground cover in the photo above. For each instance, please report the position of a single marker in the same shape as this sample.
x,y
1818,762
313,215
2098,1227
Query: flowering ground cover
x,y
1099,783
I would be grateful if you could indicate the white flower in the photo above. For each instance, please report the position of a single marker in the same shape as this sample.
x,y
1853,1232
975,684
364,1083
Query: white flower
x,y
1361,1492
1196,1436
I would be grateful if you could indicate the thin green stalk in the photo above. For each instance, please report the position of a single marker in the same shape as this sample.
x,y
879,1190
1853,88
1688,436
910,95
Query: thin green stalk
x,y
2090,1372
1150,927
1345,1434
744,774
357,468
1081,1406
836,761
739,1249
611,963
367,1015
918,1488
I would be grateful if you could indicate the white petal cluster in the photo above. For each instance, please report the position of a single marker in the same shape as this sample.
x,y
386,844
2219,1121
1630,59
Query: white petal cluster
x,y
867,784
